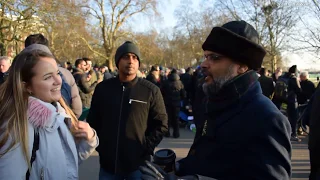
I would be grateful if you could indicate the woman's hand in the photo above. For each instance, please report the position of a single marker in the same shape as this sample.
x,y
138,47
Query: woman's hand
x,y
84,131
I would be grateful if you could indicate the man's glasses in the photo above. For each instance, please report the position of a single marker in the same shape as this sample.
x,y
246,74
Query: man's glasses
x,y
213,57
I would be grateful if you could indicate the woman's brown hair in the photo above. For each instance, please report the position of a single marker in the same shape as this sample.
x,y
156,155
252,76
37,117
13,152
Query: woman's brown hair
x,y
14,103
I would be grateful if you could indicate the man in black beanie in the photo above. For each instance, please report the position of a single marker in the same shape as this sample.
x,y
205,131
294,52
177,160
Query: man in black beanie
x,y
129,116
245,136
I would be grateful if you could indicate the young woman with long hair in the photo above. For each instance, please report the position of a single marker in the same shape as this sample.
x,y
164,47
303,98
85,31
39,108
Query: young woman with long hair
x,y
33,114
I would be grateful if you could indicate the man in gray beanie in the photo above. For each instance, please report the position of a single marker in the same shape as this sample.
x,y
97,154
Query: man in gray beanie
x,y
130,117
245,136
126,47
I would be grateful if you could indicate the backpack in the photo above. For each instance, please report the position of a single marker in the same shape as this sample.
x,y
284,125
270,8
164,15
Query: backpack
x,y
281,89
66,91
35,148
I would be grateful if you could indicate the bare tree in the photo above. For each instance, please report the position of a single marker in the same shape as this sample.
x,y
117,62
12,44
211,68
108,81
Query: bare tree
x,y
308,37
16,19
65,24
111,16
273,20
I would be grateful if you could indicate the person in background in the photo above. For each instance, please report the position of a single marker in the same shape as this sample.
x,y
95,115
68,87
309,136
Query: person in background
x,y
167,72
96,69
69,66
266,83
4,67
277,74
105,72
173,93
198,101
182,71
143,74
79,70
186,79
63,64
69,89
154,76
86,89
89,64
95,77
40,135
294,90
129,116
307,88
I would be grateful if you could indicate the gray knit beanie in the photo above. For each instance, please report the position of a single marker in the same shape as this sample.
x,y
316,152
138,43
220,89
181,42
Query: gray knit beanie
x,y
34,47
127,47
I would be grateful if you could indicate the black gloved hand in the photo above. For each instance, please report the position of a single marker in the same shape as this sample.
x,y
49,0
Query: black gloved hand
x,y
152,171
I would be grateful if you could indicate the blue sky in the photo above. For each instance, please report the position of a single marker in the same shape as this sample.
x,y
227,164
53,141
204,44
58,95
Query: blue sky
x,y
166,9
303,60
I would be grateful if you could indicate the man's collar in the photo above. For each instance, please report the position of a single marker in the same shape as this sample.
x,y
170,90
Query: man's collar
x,y
80,70
130,83
232,91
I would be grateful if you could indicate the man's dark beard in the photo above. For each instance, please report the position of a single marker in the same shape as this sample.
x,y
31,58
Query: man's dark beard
x,y
214,87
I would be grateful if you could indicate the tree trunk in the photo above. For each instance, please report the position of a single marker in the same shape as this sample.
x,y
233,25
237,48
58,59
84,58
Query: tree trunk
x,y
110,63
110,55
274,63
2,50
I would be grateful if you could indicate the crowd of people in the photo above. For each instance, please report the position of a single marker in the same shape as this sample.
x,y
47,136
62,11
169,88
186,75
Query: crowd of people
x,y
289,89
42,101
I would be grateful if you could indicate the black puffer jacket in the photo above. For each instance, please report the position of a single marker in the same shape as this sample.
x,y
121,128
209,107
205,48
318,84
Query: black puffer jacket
x,y
173,90
130,120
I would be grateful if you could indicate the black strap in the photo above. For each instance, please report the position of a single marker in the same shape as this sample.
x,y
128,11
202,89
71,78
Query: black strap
x,y
34,150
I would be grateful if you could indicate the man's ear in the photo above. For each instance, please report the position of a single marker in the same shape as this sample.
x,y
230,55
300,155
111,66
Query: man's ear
x,y
242,68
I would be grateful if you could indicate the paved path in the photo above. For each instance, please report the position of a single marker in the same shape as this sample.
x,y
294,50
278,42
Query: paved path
x,y
300,158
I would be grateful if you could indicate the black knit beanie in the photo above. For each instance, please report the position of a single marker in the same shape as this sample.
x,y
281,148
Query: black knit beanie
x,y
237,40
127,47
293,69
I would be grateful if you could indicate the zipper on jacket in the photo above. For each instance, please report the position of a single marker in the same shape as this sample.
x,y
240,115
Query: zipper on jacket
x,y
119,123
133,100
41,174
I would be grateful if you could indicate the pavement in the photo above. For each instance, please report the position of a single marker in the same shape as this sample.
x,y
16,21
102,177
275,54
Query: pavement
x,y
89,169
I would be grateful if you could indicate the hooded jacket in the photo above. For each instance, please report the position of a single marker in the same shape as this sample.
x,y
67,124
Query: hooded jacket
x,y
173,90
294,88
58,155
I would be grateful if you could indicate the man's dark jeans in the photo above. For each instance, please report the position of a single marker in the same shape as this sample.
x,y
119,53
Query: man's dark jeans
x,y
293,115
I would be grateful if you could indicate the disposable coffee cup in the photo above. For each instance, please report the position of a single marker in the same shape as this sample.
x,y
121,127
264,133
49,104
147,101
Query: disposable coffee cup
x,y
165,158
